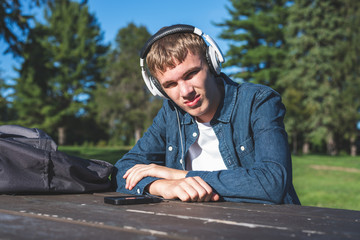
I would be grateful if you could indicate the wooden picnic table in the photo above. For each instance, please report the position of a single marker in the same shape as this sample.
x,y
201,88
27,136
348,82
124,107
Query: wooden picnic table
x,y
86,216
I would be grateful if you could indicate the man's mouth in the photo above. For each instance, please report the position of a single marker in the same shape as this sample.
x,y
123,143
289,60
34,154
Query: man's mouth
x,y
192,102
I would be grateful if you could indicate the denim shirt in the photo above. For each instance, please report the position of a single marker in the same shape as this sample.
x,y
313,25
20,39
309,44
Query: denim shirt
x,y
252,142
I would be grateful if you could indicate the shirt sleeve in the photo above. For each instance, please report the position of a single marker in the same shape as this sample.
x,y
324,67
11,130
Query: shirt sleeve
x,y
149,149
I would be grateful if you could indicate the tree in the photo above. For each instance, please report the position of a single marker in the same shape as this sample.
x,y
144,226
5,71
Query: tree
x,y
11,15
256,30
32,87
7,113
63,59
3,104
14,22
348,66
14,25
322,72
124,102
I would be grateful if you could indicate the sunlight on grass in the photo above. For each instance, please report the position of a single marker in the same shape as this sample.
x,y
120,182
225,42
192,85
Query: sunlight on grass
x,y
335,185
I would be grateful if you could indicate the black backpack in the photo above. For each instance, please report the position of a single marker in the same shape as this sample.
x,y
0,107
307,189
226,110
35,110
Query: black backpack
x,y
31,163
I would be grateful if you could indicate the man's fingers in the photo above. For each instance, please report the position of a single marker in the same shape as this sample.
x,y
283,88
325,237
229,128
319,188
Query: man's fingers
x,y
194,189
199,192
204,191
186,189
134,175
215,197
182,194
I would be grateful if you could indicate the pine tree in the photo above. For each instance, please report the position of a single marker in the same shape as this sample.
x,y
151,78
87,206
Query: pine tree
x,y
62,65
12,19
348,69
319,70
32,88
14,25
3,103
124,102
257,47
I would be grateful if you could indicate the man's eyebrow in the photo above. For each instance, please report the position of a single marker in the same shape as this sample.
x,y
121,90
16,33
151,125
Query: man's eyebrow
x,y
191,70
166,82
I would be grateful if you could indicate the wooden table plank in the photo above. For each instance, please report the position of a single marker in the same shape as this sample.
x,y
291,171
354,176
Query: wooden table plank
x,y
85,215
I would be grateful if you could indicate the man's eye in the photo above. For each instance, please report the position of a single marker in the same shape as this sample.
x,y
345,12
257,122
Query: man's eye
x,y
191,74
170,85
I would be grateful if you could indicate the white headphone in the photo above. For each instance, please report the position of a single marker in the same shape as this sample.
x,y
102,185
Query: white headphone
x,y
213,54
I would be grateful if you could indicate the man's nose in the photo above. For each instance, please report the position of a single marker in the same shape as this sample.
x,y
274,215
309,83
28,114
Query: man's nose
x,y
186,89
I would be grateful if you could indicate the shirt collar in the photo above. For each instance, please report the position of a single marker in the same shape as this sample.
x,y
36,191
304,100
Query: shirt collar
x,y
227,105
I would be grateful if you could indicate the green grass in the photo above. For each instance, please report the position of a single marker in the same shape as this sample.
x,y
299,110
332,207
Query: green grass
x,y
325,181
321,181
109,154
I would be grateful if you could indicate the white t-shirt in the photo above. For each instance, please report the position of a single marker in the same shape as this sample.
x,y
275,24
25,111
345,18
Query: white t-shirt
x,y
204,154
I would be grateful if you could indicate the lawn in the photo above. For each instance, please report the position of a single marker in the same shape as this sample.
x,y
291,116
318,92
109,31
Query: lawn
x,y
321,181
109,154
325,181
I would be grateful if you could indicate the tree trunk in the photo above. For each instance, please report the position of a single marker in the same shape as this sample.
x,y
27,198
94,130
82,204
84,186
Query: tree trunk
x,y
137,134
295,144
62,136
306,148
353,148
331,146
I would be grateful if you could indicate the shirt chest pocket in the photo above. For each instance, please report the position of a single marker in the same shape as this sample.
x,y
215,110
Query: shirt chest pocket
x,y
172,152
245,152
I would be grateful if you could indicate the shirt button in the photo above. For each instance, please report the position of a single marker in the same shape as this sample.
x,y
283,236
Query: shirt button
x,y
138,191
242,148
170,148
181,161
194,134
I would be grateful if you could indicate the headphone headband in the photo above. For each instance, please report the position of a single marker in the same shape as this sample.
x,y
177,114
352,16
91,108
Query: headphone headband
x,y
165,32
214,54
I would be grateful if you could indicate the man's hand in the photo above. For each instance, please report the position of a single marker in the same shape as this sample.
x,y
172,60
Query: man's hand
x,y
191,189
173,184
139,171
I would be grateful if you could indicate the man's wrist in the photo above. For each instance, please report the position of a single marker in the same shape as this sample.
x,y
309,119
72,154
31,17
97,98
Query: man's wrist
x,y
151,188
179,174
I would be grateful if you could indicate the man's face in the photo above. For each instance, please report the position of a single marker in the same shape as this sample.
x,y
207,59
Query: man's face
x,y
192,87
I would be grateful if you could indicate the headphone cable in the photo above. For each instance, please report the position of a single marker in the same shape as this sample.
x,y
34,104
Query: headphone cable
x,y
181,140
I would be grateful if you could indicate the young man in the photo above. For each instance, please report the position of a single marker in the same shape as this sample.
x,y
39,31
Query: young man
x,y
213,139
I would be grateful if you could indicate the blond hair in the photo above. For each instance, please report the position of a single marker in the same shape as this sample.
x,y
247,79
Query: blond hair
x,y
171,50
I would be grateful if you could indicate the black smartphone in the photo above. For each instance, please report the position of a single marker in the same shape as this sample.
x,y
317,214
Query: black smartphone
x,y
131,199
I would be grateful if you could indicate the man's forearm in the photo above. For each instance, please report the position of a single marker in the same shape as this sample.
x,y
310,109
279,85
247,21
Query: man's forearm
x,y
140,171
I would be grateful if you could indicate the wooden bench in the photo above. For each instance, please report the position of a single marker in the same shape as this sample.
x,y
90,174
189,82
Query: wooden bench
x,y
86,216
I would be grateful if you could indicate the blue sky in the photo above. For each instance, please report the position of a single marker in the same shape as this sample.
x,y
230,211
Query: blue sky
x,y
113,15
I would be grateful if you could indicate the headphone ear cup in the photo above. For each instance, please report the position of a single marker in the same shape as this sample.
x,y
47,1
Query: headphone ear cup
x,y
158,89
213,60
208,60
152,83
